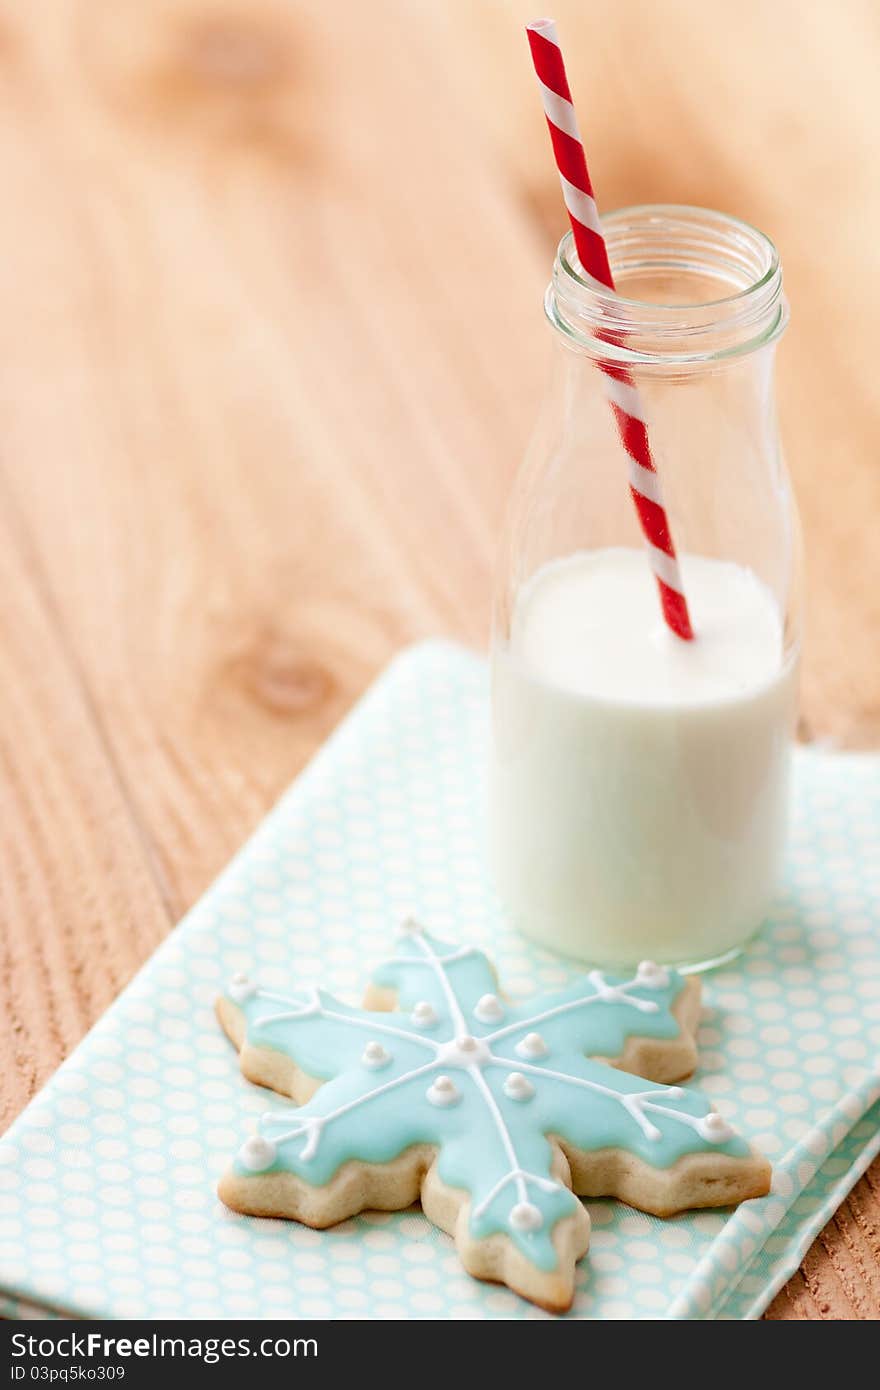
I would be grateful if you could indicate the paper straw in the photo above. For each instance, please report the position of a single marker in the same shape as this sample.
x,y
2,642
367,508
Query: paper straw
x,y
620,388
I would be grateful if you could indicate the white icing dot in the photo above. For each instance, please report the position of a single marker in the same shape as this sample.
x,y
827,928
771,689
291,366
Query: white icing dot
x,y
375,1056
465,1051
651,975
424,1015
443,1091
240,987
489,1009
526,1217
257,1153
532,1045
715,1128
518,1087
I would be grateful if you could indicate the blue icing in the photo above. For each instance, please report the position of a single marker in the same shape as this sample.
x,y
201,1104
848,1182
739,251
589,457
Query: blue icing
x,y
325,1045
409,972
491,1144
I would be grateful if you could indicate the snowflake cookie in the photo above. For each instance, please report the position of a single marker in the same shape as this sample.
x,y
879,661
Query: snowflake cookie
x,y
494,1115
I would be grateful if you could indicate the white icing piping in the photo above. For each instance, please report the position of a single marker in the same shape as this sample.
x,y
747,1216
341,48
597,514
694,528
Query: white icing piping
x,y
635,1102
389,1028
295,1009
315,1009
605,994
274,997
312,1125
616,994
517,1175
710,1127
459,1023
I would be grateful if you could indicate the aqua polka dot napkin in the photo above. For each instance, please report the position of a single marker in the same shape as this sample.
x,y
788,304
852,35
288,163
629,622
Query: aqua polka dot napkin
x,y
107,1181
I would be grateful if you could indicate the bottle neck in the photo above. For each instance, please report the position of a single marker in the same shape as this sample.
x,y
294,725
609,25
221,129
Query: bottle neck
x,y
694,289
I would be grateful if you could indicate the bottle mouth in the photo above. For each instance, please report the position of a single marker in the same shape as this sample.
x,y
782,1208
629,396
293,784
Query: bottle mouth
x,y
693,286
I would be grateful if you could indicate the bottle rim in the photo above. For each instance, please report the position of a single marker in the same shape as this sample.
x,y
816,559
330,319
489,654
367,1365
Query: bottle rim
x,y
680,243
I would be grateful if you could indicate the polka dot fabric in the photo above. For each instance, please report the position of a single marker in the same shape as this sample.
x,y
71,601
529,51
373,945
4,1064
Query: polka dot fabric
x,y
107,1181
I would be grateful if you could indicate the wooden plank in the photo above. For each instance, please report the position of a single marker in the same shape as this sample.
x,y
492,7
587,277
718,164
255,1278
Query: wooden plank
x,y
270,352
81,901
840,1277
274,460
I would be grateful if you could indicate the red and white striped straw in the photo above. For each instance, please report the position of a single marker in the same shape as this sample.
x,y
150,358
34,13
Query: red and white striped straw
x,y
620,387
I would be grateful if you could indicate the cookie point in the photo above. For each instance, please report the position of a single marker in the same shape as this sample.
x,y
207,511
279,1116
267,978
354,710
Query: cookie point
x,y
409,926
489,1009
257,1153
525,1216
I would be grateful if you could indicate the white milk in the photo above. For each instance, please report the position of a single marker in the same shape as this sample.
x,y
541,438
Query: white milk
x,y
639,783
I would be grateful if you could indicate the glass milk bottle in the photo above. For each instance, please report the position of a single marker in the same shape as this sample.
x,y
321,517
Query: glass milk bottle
x,y
638,782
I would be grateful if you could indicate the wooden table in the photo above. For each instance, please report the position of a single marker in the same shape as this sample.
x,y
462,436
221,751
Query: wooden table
x,y
270,348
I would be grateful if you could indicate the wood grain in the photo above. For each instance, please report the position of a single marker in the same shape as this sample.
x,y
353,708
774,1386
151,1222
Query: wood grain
x,y
270,350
